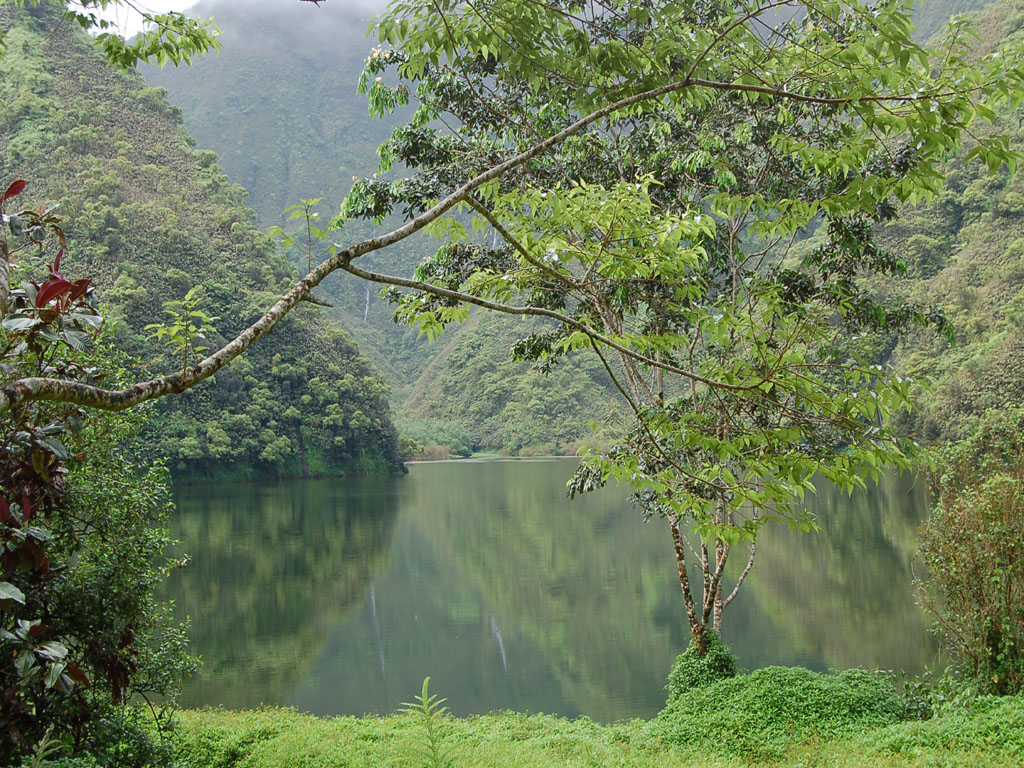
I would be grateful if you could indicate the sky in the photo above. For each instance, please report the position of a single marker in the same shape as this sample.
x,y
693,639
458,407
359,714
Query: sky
x,y
130,22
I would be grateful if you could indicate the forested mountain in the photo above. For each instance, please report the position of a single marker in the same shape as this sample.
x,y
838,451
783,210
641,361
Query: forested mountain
x,y
149,217
965,252
279,105
931,15
963,249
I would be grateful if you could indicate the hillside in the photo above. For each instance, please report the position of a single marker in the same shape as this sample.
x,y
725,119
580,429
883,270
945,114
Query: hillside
x,y
965,253
964,250
279,105
149,217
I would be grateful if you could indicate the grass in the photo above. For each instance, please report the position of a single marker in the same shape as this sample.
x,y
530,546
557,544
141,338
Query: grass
x,y
988,735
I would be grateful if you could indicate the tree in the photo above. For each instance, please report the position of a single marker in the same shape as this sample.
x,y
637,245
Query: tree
x,y
649,175
973,547
81,530
670,237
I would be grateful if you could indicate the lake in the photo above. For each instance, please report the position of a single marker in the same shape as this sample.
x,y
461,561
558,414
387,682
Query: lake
x,y
339,596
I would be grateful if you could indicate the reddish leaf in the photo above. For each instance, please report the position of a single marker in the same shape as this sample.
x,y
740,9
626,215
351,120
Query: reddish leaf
x,y
77,674
51,289
5,510
15,189
32,557
26,508
37,630
56,261
81,286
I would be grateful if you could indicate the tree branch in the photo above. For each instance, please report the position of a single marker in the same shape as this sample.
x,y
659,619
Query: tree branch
x,y
32,389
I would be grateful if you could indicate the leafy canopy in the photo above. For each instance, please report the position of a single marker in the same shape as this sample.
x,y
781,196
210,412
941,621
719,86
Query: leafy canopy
x,y
648,176
688,148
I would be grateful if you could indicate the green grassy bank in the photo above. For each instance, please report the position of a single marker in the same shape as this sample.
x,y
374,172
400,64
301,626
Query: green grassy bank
x,y
797,722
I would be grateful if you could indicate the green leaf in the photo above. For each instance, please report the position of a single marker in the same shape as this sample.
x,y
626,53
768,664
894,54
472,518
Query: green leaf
x,y
10,592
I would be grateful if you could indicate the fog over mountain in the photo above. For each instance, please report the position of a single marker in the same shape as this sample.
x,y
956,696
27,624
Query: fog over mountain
x,y
285,79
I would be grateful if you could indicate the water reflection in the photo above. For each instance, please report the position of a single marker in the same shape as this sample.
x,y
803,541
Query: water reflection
x,y
339,596
273,568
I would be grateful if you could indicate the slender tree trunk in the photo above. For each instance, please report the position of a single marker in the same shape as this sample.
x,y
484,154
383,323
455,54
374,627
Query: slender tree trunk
x,y
698,632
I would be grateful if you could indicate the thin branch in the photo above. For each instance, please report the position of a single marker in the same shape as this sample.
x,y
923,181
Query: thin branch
x,y
743,576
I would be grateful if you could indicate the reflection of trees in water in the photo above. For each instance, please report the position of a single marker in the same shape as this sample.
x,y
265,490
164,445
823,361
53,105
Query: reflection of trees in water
x,y
598,600
578,579
841,597
432,621
273,568
510,596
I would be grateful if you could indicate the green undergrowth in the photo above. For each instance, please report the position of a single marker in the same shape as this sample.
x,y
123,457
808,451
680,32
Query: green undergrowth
x,y
691,670
988,734
761,714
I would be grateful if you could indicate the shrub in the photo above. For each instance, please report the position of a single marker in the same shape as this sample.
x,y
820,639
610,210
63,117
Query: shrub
x,y
973,546
760,715
988,725
690,670
81,535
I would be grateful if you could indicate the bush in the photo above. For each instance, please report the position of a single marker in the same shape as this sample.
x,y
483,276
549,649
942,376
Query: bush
x,y
991,724
973,545
760,715
691,670
81,537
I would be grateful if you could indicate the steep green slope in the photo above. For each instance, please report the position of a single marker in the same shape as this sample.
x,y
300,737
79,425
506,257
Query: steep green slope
x,y
279,105
931,15
966,253
473,381
148,217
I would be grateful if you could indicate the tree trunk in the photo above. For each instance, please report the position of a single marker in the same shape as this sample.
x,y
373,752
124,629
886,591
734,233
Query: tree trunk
x,y
698,631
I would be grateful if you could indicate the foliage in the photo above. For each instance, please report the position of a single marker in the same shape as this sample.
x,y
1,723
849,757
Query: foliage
x,y
153,220
964,254
641,176
973,547
188,324
82,531
430,711
985,726
166,37
469,378
691,669
958,250
760,714
508,404
982,737
432,434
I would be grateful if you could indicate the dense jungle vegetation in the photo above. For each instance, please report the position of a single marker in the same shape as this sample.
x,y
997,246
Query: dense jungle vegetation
x,y
170,247
961,249
313,140
154,217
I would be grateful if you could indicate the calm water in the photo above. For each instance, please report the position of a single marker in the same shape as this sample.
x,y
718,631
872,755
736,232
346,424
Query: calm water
x,y
340,596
